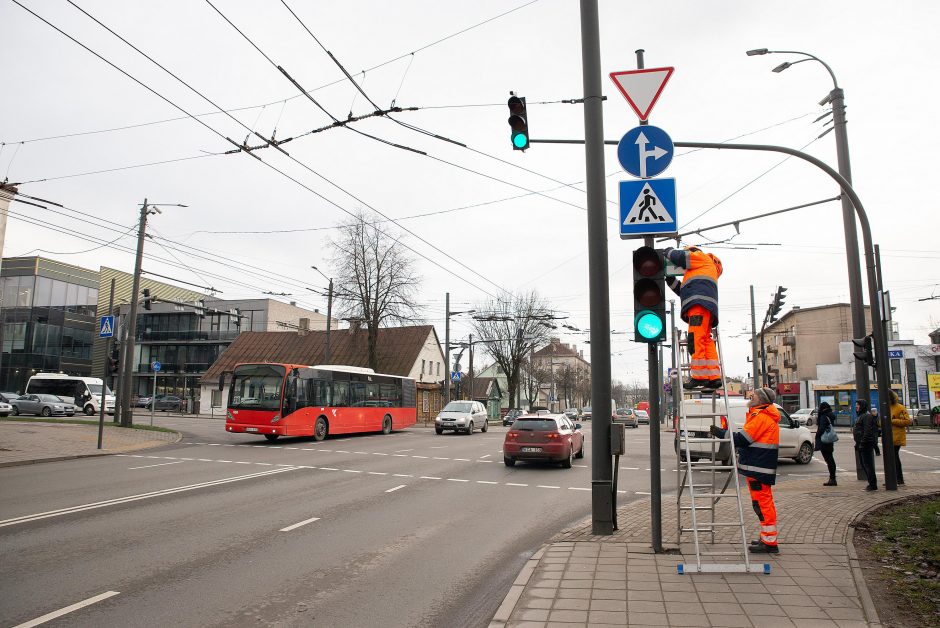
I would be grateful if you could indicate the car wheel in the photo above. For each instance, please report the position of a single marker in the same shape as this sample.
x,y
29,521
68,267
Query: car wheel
x,y
271,437
806,453
439,430
89,410
580,453
387,425
470,428
320,429
16,411
46,411
566,463
809,423
509,462
485,427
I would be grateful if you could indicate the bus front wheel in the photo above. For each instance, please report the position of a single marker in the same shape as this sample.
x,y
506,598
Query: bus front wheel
x,y
320,429
387,425
89,410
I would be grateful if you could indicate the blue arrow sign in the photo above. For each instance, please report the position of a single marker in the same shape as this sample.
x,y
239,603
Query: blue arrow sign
x,y
645,151
106,327
647,206
155,366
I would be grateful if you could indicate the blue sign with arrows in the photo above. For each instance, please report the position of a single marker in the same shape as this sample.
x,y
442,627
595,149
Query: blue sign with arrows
x,y
106,327
645,151
647,207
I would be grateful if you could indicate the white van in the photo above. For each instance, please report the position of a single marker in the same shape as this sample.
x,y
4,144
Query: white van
x,y
796,441
83,392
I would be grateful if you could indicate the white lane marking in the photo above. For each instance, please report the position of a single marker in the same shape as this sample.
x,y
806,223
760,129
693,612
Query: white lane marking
x,y
425,457
486,482
301,523
456,480
546,486
461,459
639,492
342,451
328,469
377,473
631,468
351,471
514,484
577,488
275,447
225,461
429,477
203,460
132,498
402,475
398,451
399,455
68,609
392,490
485,456
376,453
162,464
361,452
438,447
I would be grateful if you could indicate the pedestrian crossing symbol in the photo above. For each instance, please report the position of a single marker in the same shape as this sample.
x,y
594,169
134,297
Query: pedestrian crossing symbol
x,y
106,329
647,207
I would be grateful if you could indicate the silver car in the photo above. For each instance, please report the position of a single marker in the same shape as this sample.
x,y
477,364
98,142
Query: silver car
x,y
461,416
46,405
5,408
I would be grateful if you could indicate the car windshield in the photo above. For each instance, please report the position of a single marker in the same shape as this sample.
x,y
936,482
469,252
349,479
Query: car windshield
x,y
587,408
535,425
256,387
96,389
457,406
50,398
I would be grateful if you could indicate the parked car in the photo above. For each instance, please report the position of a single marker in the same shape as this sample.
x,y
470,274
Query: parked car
x,y
46,405
552,438
627,417
5,409
642,417
511,416
461,416
586,413
167,403
805,416
572,413
796,441
9,396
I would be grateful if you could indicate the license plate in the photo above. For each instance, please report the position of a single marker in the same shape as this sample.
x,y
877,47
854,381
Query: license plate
x,y
251,429
531,450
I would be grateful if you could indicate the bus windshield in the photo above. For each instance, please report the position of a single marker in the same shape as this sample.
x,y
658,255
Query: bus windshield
x,y
257,387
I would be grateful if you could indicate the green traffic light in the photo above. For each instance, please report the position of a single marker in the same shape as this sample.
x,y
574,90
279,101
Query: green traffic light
x,y
519,140
649,325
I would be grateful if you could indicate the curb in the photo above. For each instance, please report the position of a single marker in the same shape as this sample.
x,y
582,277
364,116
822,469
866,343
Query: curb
x,y
504,612
20,463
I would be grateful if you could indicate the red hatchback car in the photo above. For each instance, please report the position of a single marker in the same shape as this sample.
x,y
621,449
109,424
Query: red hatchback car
x,y
551,437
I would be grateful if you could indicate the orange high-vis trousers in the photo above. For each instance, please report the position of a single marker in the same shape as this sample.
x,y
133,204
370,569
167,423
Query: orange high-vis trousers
x,y
704,365
762,499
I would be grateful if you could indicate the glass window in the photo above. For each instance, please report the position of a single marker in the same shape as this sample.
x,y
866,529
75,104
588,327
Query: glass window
x,y
257,387
71,296
93,297
58,294
24,293
357,393
422,366
340,394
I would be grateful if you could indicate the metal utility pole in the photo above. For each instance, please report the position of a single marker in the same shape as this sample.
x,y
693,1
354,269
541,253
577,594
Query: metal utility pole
x,y
753,342
602,503
329,316
447,349
130,323
470,369
104,374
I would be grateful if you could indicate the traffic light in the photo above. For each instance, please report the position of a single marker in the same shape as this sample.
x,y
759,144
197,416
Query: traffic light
x,y
777,305
148,300
113,361
519,123
649,295
865,350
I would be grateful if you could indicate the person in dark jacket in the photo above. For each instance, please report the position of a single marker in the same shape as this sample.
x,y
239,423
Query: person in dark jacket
x,y
826,419
865,432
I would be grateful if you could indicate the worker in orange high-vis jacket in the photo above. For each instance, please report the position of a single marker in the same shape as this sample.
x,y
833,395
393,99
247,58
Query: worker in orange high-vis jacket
x,y
699,293
756,445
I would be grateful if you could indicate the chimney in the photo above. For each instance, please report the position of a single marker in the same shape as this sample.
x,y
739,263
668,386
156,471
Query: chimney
x,y
303,326
354,325
294,303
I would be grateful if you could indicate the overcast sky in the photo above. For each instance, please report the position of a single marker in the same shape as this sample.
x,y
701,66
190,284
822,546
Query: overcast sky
x,y
504,219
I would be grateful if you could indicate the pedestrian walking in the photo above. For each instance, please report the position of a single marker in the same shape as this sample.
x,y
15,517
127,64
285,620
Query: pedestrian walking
x,y
900,421
826,420
874,413
698,292
865,433
757,444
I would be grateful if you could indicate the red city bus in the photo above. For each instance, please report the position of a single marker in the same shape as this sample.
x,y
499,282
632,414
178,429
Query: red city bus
x,y
295,400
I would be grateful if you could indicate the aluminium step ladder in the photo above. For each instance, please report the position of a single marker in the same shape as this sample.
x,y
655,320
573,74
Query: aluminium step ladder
x,y
701,484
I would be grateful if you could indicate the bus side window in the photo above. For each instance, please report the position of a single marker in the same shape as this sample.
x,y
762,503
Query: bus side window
x,y
357,394
340,394
321,393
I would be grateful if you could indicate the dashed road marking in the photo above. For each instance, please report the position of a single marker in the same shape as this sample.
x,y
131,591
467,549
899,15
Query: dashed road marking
x,y
392,490
68,609
162,464
299,524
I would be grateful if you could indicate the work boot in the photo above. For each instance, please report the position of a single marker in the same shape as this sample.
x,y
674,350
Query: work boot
x,y
763,548
713,384
691,382
831,482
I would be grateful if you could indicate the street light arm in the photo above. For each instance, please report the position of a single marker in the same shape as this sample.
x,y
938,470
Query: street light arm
x,y
835,82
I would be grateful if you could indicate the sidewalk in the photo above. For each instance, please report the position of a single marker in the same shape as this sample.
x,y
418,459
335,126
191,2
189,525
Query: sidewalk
x,y
579,579
29,442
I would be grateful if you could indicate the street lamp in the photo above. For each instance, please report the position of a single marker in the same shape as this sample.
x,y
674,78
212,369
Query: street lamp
x,y
329,314
857,305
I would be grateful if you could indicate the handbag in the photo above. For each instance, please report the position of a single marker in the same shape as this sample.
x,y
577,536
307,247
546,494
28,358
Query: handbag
x,y
829,436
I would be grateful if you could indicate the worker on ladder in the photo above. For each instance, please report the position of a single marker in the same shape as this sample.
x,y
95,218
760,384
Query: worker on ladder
x,y
757,444
698,291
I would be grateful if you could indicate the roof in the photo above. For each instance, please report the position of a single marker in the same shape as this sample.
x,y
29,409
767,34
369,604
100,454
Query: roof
x,y
481,387
398,349
799,310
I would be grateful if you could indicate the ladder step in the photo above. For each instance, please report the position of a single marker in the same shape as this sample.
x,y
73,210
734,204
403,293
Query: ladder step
x,y
704,414
696,439
684,568
712,467
720,553
696,507
705,526
697,495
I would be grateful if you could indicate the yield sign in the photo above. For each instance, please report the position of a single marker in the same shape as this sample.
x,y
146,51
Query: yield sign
x,y
642,88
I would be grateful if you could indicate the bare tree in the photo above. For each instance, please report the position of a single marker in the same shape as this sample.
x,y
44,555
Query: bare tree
x,y
374,278
512,326
533,377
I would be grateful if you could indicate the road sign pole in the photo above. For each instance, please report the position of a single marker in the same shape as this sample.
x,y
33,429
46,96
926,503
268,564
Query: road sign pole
x,y
153,398
104,373
602,497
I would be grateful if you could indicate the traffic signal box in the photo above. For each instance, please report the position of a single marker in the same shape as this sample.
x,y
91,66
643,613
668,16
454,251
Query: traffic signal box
x,y
864,350
649,295
148,300
519,123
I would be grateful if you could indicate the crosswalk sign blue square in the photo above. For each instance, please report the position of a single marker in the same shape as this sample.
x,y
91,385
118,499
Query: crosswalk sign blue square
x,y
106,328
647,206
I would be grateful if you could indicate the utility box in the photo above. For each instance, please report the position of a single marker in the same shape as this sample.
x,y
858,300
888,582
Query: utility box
x,y
618,435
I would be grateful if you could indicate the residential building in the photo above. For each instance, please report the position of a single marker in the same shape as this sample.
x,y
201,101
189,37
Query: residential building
x,y
413,352
493,371
486,390
567,367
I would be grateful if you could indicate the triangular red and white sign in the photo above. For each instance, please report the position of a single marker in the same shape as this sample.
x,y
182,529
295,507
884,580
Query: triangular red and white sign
x,y
642,88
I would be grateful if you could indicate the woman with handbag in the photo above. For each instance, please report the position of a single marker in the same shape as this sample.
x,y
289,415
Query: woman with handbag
x,y
825,439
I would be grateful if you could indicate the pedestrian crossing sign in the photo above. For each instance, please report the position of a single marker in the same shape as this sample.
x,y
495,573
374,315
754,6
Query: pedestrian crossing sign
x,y
106,328
647,207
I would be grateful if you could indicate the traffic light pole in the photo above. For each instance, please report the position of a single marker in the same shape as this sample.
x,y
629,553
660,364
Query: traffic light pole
x,y
602,498
104,370
130,323
656,512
